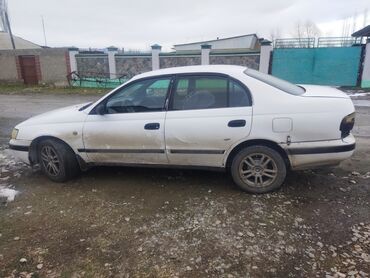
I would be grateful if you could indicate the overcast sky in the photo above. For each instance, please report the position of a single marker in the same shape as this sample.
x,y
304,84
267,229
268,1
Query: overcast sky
x,y
138,24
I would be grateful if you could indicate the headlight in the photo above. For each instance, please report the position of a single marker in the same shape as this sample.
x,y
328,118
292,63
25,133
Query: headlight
x,y
14,133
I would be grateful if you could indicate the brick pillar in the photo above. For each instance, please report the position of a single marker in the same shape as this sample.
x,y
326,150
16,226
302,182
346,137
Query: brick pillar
x,y
112,51
365,78
73,51
18,66
156,49
38,69
206,50
265,55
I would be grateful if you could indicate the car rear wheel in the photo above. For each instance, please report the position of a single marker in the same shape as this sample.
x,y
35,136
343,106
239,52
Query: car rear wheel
x,y
258,169
57,161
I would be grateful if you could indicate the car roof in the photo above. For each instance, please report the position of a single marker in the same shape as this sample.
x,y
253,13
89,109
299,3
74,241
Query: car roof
x,y
224,69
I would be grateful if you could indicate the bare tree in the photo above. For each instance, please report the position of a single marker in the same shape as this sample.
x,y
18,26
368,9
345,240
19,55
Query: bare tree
x,y
274,34
365,18
306,30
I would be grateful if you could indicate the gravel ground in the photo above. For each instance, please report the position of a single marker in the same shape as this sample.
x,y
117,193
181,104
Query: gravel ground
x,y
132,222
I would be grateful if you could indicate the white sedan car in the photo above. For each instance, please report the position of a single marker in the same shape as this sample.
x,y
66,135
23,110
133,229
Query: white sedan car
x,y
214,117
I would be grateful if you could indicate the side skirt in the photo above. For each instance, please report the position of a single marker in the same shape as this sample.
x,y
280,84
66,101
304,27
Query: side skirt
x,y
161,166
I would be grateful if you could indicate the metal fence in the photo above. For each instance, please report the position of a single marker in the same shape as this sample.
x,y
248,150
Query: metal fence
x,y
94,80
295,43
337,41
319,42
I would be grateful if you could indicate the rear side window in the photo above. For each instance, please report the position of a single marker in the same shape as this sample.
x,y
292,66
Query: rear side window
x,y
203,92
238,96
276,82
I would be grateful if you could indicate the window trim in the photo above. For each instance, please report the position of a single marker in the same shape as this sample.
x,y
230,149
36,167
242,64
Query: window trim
x,y
208,74
119,89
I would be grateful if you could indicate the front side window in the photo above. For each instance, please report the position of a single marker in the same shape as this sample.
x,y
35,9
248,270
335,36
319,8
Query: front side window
x,y
143,96
207,92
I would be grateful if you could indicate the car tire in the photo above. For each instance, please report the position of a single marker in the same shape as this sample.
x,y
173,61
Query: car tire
x,y
258,169
57,160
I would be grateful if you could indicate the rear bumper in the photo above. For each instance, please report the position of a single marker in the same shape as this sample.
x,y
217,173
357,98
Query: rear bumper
x,y
306,155
20,149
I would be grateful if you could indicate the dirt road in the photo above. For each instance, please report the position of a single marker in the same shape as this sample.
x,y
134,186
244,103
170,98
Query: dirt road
x,y
124,222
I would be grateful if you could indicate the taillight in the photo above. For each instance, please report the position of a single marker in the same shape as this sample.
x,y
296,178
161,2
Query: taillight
x,y
347,124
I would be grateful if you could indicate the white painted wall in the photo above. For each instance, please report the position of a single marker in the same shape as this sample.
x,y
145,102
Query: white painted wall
x,y
365,83
265,58
155,58
72,59
205,56
112,63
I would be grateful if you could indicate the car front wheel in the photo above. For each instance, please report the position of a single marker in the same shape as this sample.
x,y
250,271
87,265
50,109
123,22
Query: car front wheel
x,y
258,169
57,161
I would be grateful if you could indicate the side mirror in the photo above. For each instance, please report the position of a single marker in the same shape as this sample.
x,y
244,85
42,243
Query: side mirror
x,y
100,109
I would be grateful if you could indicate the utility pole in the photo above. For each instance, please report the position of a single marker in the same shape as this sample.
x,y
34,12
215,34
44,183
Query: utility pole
x,y
3,10
10,30
5,21
43,28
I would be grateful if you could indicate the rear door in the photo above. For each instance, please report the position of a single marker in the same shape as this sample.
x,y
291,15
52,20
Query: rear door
x,y
208,113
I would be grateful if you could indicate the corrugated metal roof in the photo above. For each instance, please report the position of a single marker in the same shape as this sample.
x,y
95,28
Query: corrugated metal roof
x,y
5,42
364,32
248,35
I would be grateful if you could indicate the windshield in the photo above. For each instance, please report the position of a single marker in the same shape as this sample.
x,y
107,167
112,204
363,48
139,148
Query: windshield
x,y
276,82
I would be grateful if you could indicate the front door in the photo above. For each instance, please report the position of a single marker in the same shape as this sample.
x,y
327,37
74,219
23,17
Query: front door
x,y
131,127
206,117
28,70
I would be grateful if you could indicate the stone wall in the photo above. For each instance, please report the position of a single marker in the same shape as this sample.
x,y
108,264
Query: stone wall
x,y
93,65
178,61
247,60
54,63
132,65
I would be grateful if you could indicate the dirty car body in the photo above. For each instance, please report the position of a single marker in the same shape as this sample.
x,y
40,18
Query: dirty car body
x,y
222,117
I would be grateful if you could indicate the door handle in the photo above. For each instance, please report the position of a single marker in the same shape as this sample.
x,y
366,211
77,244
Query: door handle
x,y
152,126
236,123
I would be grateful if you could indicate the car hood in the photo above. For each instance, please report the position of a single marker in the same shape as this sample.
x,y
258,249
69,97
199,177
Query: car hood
x,y
69,114
323,91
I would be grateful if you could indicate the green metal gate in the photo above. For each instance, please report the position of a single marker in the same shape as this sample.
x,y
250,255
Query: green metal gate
x,y
336,66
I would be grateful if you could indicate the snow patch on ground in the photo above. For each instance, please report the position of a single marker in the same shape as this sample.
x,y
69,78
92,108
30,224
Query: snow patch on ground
x,y
8,193
10,169
359,94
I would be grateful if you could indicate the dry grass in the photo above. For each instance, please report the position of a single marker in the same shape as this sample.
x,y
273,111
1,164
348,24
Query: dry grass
x,y
21,89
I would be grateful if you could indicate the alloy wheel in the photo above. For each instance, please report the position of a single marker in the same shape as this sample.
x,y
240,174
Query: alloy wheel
x,y
258,170
50,160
